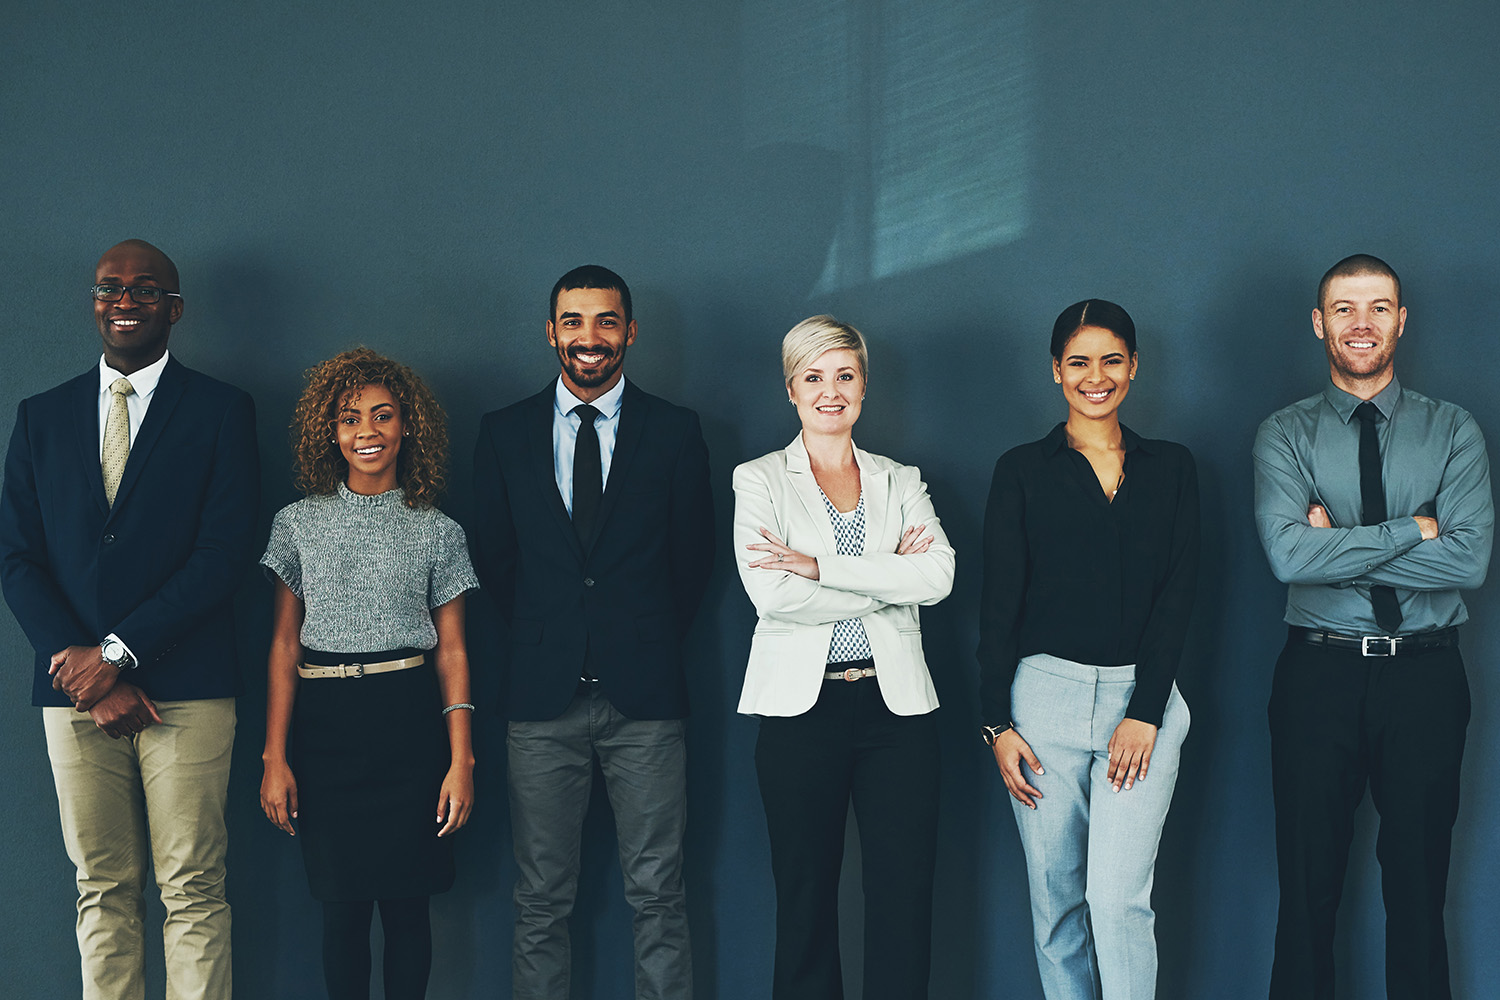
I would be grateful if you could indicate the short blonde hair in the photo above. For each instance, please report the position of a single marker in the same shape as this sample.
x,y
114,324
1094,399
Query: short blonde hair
x,y
814,337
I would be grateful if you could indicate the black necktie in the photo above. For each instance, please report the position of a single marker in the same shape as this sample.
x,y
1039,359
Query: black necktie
x,y
588,474
1372,499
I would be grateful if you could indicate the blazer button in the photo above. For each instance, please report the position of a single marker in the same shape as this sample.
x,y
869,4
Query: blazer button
x,y
109,539
588,581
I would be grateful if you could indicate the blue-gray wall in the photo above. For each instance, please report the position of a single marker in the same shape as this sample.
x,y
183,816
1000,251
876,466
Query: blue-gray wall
x,y
414,177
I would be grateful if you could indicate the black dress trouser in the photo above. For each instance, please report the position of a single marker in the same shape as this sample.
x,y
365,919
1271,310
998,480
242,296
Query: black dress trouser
x,y
850,747
1340,721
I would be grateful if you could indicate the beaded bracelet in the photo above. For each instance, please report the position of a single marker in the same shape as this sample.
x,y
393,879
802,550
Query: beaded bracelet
x,y
462,704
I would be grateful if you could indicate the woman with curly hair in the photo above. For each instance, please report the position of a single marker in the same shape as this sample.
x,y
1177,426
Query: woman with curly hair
x,y
368,672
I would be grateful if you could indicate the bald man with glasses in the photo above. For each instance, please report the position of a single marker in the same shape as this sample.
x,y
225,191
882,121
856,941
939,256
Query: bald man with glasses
x,y
127,518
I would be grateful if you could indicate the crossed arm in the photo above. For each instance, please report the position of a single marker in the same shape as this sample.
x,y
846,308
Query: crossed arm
x,y
1447,552
792,586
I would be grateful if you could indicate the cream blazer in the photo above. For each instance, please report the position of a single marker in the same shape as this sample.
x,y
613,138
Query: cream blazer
x,y
790,646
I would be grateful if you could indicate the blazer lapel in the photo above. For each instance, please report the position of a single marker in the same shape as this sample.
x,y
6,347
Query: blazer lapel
x,y
163,401
805,485
627,440
875,488
539,449
85,407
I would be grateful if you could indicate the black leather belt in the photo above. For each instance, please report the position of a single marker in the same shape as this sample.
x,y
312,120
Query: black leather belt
x,y
1378,645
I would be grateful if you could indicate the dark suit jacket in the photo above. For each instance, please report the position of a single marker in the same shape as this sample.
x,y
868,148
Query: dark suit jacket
x,y
619,605
158,569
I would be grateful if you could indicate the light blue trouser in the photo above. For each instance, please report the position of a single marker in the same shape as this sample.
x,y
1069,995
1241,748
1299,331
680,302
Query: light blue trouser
x,y
1091,851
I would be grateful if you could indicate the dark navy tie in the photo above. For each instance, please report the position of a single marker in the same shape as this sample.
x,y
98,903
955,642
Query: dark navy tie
x,y
588,474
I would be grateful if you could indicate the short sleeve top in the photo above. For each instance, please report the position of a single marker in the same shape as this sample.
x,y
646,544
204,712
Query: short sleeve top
x,y
368,569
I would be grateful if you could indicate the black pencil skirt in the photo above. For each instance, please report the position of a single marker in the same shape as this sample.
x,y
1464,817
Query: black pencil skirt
x,y
369,755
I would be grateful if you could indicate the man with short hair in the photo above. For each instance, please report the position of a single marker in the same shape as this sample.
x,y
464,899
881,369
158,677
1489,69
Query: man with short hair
x,y
1373,504
127,518
594,536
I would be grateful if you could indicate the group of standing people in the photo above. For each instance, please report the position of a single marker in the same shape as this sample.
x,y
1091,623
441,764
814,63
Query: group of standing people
x,y
128,515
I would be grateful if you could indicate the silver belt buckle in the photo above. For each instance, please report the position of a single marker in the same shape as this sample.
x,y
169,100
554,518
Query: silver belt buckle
x,y
354,670
853,674
1365,648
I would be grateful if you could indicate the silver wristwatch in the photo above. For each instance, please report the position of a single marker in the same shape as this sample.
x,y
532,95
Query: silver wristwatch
x,y
116,655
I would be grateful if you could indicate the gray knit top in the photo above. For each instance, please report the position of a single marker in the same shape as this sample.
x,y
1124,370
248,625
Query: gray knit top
x,y
369,569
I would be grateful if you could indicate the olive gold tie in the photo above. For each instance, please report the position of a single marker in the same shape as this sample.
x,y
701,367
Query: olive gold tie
x,y
116,438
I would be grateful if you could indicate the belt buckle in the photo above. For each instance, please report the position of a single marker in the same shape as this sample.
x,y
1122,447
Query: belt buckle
x,y
853,674
354,670
1366,650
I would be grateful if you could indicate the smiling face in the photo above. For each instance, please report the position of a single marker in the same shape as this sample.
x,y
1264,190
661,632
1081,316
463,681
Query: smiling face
x,y
1359,323
827,393
1095,372
134,334
368,427
590,334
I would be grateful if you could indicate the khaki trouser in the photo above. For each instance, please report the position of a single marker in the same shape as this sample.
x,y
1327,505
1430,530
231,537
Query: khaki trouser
x,y
160,796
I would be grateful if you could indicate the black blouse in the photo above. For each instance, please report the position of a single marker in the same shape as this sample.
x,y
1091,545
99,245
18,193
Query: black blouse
x,y
1067,572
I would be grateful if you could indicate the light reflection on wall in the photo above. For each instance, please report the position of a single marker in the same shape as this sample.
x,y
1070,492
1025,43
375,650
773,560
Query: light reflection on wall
x,y
926,107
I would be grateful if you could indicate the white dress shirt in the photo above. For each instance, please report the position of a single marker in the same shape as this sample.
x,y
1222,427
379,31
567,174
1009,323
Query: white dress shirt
x,y
565,425
137,403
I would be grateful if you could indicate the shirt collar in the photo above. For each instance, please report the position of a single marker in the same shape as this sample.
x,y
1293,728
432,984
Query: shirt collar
x,y
1057,440
608,404
142,381
1344,404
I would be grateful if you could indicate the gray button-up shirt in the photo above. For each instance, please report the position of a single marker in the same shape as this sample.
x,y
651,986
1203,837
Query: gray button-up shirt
x,y
1434,464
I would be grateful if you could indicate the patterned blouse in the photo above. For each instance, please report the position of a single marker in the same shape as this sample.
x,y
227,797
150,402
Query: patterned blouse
x,y
849,639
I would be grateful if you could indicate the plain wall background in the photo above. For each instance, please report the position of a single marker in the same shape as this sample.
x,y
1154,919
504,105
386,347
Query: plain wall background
x,y
415,177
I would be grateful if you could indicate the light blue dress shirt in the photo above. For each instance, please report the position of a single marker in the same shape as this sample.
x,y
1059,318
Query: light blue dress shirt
x,y
565,434
1434,464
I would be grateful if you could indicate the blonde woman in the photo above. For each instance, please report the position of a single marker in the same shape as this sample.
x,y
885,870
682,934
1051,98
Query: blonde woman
x,y
837,548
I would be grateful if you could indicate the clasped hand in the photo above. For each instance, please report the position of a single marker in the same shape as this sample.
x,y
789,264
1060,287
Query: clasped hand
x,y
81,673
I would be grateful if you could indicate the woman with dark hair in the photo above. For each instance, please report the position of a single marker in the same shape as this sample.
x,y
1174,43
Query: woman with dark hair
x,y
1090,562
370,579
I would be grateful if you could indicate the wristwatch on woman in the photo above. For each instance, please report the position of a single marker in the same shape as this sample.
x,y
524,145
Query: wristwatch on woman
x,y
992,733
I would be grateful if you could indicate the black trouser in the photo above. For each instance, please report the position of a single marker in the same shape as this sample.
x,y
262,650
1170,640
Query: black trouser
x,y
849,746
1340,720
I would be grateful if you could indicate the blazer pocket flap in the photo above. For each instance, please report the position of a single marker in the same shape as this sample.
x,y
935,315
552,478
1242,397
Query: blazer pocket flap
x,y
764,629
525,631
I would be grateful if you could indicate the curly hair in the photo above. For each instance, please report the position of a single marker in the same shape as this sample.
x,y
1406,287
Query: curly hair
x,y
421,467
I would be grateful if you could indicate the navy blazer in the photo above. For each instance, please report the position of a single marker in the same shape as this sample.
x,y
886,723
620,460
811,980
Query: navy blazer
x,y
160,568
619,605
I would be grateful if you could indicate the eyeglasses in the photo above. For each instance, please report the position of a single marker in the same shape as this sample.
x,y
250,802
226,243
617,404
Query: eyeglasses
x,y
146,295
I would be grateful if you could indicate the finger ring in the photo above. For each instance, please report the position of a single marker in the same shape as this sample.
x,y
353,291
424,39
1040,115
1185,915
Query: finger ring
x,y
780,557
